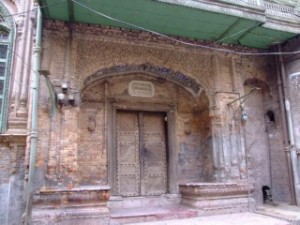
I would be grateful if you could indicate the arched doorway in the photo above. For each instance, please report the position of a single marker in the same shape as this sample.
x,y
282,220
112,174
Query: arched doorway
x,y
157,133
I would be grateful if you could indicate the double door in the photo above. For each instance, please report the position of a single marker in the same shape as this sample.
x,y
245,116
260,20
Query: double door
x,y
141,153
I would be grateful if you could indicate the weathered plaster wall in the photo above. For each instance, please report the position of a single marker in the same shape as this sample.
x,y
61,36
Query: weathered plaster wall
x,y
292,68
11,183
4,183
264,141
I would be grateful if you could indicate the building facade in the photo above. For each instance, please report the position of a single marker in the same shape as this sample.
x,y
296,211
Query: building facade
x,y
130,117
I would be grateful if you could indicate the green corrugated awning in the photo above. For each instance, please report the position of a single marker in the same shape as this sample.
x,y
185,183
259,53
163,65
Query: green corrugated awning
x,y
167,19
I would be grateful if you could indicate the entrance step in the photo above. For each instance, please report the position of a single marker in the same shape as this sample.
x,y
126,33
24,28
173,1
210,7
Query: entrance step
x,y
149,201
147,214
281,211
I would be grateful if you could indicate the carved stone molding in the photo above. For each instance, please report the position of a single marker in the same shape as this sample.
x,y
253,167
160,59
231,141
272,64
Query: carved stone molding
x,y
81,205
214,189
215,198
81,194
136,36
161,72
13,139
13,5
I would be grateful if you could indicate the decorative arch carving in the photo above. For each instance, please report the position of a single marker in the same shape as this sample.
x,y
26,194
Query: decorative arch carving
x,y
11,6
160,72
6,23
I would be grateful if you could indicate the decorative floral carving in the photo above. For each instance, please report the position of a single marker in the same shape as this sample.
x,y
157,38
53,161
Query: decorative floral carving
x,y
159,71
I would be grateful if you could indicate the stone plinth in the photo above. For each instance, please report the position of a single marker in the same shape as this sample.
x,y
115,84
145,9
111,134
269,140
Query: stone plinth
x,y
84,205
217,198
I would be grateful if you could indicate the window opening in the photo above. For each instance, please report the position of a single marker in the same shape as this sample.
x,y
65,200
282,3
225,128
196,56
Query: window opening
x,y
6,34
3,37
271,123
270,117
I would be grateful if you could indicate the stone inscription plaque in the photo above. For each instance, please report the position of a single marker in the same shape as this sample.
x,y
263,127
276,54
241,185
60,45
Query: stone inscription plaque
x,y
141,88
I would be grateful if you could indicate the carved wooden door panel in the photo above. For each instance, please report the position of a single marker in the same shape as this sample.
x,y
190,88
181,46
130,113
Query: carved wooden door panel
x,y
154,168
128,154
141,154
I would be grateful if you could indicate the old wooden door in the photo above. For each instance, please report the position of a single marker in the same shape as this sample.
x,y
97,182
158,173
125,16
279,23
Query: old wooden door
x,y
141,155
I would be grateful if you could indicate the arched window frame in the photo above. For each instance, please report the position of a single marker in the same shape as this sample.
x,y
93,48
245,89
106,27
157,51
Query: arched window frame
x,y
7,32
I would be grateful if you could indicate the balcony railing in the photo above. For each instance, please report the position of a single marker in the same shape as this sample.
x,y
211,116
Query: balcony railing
x,y
266,11
250,3
282,11
272,9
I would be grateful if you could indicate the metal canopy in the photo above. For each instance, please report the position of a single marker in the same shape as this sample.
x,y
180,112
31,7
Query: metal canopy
x,y
166,19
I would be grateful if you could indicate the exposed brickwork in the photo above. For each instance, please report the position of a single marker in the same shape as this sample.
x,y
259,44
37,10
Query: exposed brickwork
x,y
92,156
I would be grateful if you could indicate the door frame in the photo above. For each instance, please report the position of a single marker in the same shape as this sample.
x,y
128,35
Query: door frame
x,y
169,110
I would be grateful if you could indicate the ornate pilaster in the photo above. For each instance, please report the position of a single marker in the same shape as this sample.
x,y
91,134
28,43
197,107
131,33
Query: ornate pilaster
x,y
18,113
217,143
227,138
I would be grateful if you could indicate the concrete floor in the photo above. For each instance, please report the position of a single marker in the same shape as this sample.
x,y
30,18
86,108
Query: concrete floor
x,y
231,219
279,214
281,211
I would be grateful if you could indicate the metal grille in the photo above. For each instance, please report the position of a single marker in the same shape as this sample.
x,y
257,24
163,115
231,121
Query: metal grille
x,y
0,106
4,62
3,51
1,87
2,69
7,32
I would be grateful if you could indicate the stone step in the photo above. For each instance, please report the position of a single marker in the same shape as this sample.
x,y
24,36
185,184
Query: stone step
x,y
129,202
146,214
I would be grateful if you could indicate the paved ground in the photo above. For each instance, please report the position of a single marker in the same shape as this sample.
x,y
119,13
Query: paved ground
x,y
231,219
291,213
275,214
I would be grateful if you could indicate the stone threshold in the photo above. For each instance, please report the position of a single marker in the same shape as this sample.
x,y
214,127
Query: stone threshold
x,y
146,214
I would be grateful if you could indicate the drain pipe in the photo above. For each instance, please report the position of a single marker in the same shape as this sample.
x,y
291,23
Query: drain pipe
x,y
291,150
34,117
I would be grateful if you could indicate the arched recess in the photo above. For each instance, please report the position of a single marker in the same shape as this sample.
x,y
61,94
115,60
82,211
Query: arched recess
x,y
7,35
264,141
257,144
140,93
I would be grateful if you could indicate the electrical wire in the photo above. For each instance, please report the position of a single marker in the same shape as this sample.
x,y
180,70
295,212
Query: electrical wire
x,y
237,33
183,42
